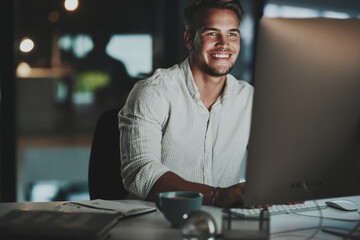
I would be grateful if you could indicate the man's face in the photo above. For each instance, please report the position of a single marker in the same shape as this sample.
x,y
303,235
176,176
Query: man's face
x,y
216,45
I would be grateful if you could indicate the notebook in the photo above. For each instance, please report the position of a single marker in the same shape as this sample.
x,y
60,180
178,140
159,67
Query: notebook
x,y
81,220
55,225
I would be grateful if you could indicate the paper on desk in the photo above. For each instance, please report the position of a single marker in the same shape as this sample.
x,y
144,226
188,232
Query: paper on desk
x,y
105,206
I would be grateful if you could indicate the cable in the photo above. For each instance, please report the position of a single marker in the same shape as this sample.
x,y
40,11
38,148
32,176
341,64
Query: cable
x,y
327,218
317,229
352,231
319,210
294,230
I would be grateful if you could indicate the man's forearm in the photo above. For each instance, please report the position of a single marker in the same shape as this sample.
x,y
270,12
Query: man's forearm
x,y
173,182
225,197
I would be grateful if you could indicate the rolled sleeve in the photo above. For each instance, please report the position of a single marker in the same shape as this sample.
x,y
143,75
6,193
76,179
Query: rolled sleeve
x,y
140,125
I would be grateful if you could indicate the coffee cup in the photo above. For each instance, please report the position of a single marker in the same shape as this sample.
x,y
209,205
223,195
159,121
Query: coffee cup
x,y
175,204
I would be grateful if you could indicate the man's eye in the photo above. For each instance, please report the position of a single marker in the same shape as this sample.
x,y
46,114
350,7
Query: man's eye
x,y
232,34
212,34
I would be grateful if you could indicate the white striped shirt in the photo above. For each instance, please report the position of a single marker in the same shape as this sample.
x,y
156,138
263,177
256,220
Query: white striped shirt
x,y
164,126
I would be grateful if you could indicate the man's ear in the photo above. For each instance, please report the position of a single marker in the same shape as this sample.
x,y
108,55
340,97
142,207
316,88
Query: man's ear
x,y
188,40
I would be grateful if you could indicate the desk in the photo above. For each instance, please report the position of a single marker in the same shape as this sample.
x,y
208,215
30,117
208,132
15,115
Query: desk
x,y
153,226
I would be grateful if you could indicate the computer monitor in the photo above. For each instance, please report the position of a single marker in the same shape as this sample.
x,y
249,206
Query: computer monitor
x,y
305,133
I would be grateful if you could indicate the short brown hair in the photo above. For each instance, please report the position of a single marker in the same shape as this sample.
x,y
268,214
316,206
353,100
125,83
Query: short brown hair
x,y
191,12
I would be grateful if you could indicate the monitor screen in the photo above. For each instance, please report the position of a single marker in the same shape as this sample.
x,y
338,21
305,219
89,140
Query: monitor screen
x,y
305,133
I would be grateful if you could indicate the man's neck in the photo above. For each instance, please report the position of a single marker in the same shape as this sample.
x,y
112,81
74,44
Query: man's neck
x,y
210,87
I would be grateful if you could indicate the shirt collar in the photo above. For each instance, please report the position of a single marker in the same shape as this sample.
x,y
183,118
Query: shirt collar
x,y
190,83
189,79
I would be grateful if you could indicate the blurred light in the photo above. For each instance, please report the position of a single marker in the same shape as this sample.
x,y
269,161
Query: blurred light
x,y
134,50
274,10
65,42
71,5
332,14
23,69
82,45
78,196
54,17
246,28
26,45
90,81
44,191
62,91
83,98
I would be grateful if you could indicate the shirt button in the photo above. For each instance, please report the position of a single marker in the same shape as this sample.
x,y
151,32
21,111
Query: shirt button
x,y
197,95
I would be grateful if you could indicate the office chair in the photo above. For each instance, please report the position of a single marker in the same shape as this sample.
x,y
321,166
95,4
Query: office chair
x,y
104,178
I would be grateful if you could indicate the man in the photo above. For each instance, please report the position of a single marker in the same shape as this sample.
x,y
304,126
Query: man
x,y
187,127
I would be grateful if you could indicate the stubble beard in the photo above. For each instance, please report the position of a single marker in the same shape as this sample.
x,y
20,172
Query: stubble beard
x,y
215,72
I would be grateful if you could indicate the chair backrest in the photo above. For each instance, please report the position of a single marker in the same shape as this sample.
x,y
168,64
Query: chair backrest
x,y
104,178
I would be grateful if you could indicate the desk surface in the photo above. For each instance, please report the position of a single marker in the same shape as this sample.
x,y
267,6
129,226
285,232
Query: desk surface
x,y
153,226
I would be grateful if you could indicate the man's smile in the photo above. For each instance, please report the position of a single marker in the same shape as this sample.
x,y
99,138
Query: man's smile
x,y
220,55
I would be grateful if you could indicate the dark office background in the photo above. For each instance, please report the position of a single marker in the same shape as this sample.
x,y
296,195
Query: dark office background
x,y
60,69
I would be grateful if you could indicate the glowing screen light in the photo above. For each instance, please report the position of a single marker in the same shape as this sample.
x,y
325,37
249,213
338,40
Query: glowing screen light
x,y
71,5
26,45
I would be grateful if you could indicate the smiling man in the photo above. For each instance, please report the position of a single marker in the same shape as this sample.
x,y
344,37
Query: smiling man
x,y
187,127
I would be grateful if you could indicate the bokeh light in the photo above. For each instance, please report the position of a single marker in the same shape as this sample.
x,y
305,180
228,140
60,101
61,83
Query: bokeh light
x,y
54,17
26,45
71,5
23,69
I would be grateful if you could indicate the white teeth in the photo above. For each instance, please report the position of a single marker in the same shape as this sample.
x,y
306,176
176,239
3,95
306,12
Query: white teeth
x,y
221,55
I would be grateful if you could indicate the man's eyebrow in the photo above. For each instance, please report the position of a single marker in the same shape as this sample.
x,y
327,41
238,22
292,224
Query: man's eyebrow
x,y
215,29
235,30
209,29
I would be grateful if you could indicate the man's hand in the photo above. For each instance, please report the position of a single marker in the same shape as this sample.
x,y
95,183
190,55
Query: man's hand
x,y
231,196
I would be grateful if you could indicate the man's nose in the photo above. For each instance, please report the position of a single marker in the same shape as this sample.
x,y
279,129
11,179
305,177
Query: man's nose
x,y
222,41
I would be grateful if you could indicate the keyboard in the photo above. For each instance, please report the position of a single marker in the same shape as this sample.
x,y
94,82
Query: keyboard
x,y
276,209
